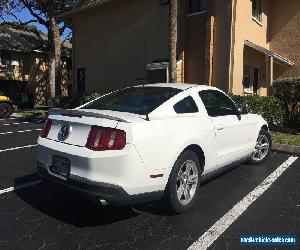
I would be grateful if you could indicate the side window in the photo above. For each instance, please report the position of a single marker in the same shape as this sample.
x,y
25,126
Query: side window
x,y
187,105
216,103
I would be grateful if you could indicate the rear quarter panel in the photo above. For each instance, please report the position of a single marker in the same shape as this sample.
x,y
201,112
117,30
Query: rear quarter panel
x,y
160,142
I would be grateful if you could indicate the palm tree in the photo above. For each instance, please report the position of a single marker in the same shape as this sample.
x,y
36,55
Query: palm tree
x,y
173,13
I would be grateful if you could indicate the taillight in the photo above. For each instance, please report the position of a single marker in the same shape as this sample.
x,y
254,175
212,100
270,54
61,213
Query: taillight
x,y
101,138
46,128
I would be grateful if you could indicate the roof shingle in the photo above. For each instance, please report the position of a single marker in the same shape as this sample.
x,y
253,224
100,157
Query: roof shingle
x,y
26,41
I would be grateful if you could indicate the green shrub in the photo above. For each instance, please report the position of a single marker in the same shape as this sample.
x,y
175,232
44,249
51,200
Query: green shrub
x,y
91,97
76,101
268,107
288,91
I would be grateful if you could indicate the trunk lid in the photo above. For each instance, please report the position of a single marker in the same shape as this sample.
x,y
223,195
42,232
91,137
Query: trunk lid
x,y
73,126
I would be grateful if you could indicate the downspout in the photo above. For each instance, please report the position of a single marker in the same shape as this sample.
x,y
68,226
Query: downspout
x,y
232,44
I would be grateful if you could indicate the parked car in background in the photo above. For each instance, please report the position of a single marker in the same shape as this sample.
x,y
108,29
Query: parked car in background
x,y
149,142
6,107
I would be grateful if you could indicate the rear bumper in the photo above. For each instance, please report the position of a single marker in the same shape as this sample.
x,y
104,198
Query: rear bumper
x,y
123,168
113,194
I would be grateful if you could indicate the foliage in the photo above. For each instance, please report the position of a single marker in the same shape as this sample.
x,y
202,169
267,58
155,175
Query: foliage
x,y
40,11
31,28
269,107
77,100
91,97
288,91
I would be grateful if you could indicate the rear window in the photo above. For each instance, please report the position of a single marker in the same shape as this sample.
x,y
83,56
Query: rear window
x,y
137,100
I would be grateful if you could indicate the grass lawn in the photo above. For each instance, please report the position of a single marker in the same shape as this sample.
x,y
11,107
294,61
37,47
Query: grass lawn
x,y
282,138
31,113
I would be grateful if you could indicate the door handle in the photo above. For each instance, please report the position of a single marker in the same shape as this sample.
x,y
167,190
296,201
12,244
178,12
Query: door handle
x,y
220,127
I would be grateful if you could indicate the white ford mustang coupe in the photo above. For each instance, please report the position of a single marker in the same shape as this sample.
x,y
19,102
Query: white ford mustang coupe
x,y
149,142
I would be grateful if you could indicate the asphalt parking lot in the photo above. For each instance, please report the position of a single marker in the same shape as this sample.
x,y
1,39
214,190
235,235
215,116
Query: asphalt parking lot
x,y
39,215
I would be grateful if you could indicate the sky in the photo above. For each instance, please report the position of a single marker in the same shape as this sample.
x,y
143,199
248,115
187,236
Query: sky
x,y
25,15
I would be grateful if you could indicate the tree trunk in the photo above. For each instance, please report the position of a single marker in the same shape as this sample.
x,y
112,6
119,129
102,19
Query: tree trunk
x,y
173,13
51,74
54,58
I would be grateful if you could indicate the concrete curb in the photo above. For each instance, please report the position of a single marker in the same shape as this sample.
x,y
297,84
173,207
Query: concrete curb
x,y
17,115
21,115
285,148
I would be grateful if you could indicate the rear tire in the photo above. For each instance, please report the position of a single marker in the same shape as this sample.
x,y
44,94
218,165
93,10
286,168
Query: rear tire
x,y
6,110
182,188
262,148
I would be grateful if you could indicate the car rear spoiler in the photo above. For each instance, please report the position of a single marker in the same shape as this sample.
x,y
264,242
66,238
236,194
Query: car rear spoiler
x,y
79,113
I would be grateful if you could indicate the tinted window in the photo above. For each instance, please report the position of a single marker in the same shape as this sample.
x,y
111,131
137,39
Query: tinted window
x,y
187,105
197,5
216,103
138,100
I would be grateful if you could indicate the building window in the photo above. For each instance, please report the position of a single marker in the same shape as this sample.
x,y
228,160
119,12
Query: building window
x,y
246,78
6,57
197,5
256,10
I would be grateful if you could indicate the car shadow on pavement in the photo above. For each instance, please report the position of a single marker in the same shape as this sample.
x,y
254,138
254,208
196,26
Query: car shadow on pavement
x,y
70,206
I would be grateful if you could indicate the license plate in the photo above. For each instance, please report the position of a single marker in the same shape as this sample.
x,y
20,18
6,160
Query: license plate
x,y
60,166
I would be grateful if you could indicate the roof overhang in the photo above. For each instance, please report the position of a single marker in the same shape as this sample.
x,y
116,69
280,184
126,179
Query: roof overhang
x,y
269,53
77,9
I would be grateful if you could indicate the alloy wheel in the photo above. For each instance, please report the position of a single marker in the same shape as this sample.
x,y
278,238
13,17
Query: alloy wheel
x,y
187,181
261,148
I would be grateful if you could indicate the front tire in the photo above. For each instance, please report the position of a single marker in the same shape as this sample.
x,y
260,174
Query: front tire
x,y
262,148
6,110
184,180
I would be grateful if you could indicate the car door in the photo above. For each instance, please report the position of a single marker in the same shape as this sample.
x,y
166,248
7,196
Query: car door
x,y
231,129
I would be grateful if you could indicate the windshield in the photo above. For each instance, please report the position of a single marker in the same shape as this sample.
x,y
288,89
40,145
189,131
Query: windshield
x,y
137,100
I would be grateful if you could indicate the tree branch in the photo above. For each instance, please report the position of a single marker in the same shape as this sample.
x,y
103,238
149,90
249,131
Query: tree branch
x,y
30,9
62,29
28,22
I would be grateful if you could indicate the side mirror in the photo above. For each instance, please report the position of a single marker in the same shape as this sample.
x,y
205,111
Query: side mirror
x,y
242,110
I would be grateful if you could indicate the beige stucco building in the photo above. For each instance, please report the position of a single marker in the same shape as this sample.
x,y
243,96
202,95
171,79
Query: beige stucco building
x,y
23,66
240,46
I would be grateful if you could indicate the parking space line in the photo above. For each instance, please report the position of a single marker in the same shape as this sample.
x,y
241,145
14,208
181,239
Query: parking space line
x,y
26,185
15,123
213,233
17,148
21,131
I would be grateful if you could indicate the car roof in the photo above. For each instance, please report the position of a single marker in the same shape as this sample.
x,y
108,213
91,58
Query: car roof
x,y
182,86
